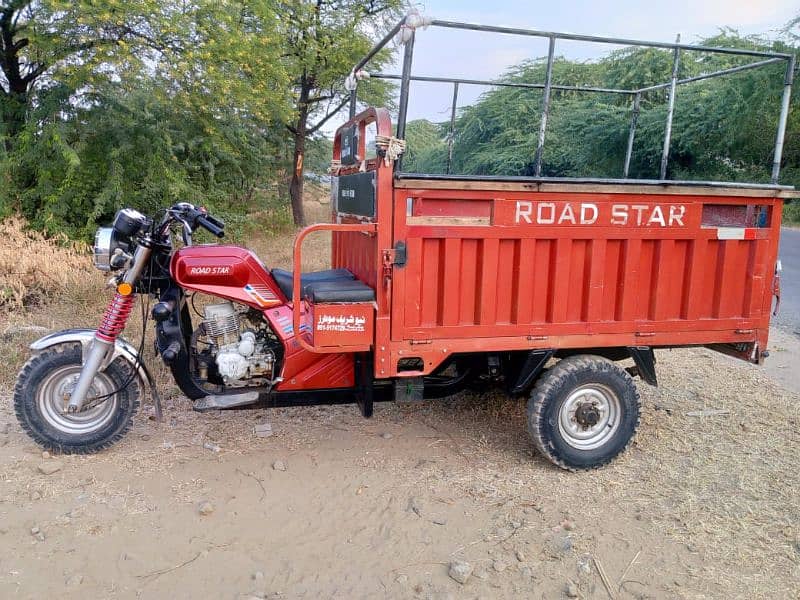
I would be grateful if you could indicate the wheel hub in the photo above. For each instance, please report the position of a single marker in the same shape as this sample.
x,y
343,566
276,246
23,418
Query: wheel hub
x,y
53,395
66,391
587,414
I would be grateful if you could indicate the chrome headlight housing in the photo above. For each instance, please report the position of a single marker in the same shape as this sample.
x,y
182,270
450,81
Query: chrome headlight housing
x,y
113,245
103,241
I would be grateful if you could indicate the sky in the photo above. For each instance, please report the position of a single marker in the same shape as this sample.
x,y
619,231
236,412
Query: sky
x,y
479,55
658,20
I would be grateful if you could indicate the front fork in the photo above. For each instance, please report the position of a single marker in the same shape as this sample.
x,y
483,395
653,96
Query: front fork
x,y
112,324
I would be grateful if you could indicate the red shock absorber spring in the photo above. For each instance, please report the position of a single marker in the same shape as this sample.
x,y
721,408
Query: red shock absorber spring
x,y
115,317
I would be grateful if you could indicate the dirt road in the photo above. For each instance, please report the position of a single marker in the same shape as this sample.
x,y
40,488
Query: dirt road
x,y
700,507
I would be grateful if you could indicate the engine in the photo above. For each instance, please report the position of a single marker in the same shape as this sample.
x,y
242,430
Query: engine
x,y
240,344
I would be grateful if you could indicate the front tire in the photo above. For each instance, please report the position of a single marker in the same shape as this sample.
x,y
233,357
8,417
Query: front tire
x,y
42,392
583,412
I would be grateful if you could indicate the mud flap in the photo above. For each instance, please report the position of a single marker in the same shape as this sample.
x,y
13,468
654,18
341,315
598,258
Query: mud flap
x,y
645,360
529,370
365,391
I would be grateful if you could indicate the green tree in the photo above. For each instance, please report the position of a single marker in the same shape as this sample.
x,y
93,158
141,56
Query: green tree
x,y
426,148
48,42
138,148
138,103
324,39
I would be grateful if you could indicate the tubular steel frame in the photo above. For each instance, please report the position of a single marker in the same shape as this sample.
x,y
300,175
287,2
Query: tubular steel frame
x,y
548,86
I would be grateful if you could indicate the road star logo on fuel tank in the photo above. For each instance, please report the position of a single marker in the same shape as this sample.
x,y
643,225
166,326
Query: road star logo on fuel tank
x,y
602,214
210,270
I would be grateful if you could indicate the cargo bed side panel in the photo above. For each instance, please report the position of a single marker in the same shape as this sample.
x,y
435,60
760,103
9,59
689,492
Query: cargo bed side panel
x,y
538,265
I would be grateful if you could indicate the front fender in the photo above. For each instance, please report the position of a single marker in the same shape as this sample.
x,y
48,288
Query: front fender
x,y
122,348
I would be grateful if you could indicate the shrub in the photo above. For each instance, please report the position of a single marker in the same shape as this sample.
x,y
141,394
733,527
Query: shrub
x,y
791,212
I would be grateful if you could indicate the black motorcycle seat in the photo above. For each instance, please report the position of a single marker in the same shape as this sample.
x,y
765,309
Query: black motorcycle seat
x,y
284,278
339,290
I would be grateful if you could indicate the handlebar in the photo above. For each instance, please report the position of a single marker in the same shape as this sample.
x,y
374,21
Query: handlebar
x,y
210,224
191,217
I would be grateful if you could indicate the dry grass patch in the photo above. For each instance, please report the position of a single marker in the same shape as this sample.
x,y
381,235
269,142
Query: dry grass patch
x,y
276,248
36,269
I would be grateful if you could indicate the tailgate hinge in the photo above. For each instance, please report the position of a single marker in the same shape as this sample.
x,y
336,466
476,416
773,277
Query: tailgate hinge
x,y
394,257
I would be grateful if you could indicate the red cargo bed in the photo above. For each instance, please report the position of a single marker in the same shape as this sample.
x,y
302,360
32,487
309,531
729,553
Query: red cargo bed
x,y
464,265
574,265
536,284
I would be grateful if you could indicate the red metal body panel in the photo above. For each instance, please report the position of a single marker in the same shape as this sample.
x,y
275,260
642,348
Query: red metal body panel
x,y
342,325
509,269
230,272
237,274
302,369
358,251
361,343
357,242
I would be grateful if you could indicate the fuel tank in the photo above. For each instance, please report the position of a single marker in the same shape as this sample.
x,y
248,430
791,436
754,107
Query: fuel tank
x,y
230,272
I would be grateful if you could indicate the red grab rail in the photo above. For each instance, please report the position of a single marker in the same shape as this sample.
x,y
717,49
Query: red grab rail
x,y
368,228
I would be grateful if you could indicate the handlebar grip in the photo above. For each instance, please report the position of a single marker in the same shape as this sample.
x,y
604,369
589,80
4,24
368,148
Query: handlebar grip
x,y
215,228
215,221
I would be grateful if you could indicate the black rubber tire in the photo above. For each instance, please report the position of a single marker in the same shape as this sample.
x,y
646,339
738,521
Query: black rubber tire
x,y
35,371
552,390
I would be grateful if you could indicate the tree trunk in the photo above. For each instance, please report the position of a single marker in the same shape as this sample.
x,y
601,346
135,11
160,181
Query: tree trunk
x,y
296,184
14,100
300,129
13,108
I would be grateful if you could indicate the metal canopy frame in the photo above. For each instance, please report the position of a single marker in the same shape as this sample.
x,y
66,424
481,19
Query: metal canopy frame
x,y
406,77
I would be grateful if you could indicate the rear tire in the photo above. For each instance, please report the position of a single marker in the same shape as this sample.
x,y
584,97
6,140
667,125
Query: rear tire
x,y
583,412
40,396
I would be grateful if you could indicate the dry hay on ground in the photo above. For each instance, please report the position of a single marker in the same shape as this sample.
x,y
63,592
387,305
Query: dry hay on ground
x,y
723,488
35,269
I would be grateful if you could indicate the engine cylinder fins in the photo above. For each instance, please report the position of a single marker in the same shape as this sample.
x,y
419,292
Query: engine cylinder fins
x,y
222,323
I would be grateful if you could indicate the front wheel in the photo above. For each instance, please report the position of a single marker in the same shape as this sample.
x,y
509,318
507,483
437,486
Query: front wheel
x,y
42,393
583,412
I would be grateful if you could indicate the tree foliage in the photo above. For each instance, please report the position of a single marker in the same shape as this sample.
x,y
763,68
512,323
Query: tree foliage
x,y
324,39
110,103
137,103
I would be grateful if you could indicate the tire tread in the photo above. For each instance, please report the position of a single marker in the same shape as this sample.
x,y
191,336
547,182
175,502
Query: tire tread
x,y
23,379
545,387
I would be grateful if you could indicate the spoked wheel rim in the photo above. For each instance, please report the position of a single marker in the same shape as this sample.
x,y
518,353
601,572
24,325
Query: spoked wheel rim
x,y
52,398
590,416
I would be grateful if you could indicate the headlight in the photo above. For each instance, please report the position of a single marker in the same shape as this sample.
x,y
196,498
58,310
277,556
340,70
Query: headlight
x,y
113,245
128,222
102,248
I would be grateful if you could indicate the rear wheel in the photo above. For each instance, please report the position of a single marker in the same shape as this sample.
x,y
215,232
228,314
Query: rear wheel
x,y
42,393
583,412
